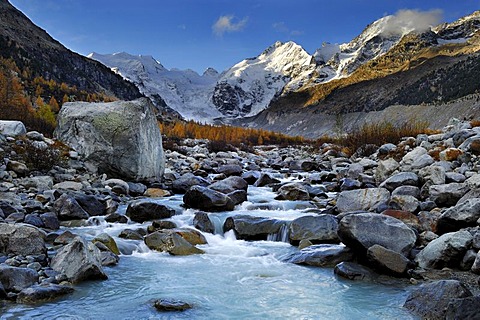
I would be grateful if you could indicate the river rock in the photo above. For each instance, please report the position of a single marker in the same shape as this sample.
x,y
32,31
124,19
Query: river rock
x,y
109,258
352,271
79,261
67,208
121,138
317,229
202,222
90,203
322,255
12,128
230,170
185,182
229,185
171,305
400,179
363,230
362,200
430,300
238,196
251,176
206,199
170,242
108,241
476,264
464,214
64,238
42,293
130,234
265,180
417,159
406,217
446,195
144,210
463,308
385,168
445,251
69,185
433,174
404,203
40,183
17,279
407,191
18,167
293,191
388,261
21,239
251,227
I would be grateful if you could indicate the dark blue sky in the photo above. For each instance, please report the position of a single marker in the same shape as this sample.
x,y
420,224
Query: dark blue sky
x,y
197,34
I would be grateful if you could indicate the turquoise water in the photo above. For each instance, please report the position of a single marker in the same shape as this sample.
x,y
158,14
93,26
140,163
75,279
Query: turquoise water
x,y
234,279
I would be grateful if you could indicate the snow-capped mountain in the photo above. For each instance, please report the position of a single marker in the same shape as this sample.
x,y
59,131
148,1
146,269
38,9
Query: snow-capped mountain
x,y
249,86
184,91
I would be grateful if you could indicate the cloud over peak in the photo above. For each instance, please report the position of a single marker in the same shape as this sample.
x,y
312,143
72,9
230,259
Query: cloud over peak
x,y
405,21
228,24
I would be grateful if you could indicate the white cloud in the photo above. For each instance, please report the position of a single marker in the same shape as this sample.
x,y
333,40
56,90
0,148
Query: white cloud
x,y
282,27
227,24
413,20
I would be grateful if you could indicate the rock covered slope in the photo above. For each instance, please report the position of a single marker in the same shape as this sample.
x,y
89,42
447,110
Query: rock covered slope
x,y
33,48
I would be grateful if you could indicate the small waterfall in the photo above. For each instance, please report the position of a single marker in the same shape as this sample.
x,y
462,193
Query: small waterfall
x,y
281,235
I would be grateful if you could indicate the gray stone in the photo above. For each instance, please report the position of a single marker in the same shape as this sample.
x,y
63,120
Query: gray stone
x,y
445,251
229,185
405,203
206,199
109,258
118,186
430,300
69,185
406,191
185,182
41,183
230,170
433,174
447,195
388,261
67,208
400,179
130,234
385,168
251,227
120,138
144,210
317,229
166,305
18,167
20,239
79,261
265,180
293,191
454,177
463,308
202,222
468,260
108,241
12,128
363,199
352,271
322,255
42,293
476,264
464,214
170,242
90,203
363,230
417,159
17,279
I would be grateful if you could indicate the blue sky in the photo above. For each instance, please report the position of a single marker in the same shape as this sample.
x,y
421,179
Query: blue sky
x,y
197,34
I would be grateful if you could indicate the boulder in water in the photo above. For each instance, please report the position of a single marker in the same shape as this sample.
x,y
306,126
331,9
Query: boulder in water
x,y
170,242
362,199
322,255
317,229
206,199
16,279
251,227
171,305
42,293
121,138
144,210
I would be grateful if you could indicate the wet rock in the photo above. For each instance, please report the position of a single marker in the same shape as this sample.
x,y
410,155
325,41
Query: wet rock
x,y
156,193
65,238
229,185
206,199
17,279
387,261
42,293
293,191
79,261
166,305
202,222
363,230
464,214
400,179
108,241
20,239
185,182
161,225
446,195
170,242
238,196
90,203
109,258
136,189
317,229
50,221
463,308
251,176
120,138
252,228
363,199
116,217
322,255
230,170
67,208
34,220
352,271
265,180
130,234
144,210
445,251
350,184
430,300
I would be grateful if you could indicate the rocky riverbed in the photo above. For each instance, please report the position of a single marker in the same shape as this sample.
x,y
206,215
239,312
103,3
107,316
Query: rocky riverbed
x,y
409,211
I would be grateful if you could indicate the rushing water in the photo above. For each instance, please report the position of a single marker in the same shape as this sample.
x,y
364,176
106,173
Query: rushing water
x,y
234,279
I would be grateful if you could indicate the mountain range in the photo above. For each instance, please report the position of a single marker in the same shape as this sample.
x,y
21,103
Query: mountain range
x,y
385,73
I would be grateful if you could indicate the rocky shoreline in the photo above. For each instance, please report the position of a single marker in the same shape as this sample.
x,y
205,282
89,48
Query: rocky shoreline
x,y
409,211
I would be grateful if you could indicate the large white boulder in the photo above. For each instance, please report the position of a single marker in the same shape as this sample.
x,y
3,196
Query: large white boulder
x,y
12,128
120,138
